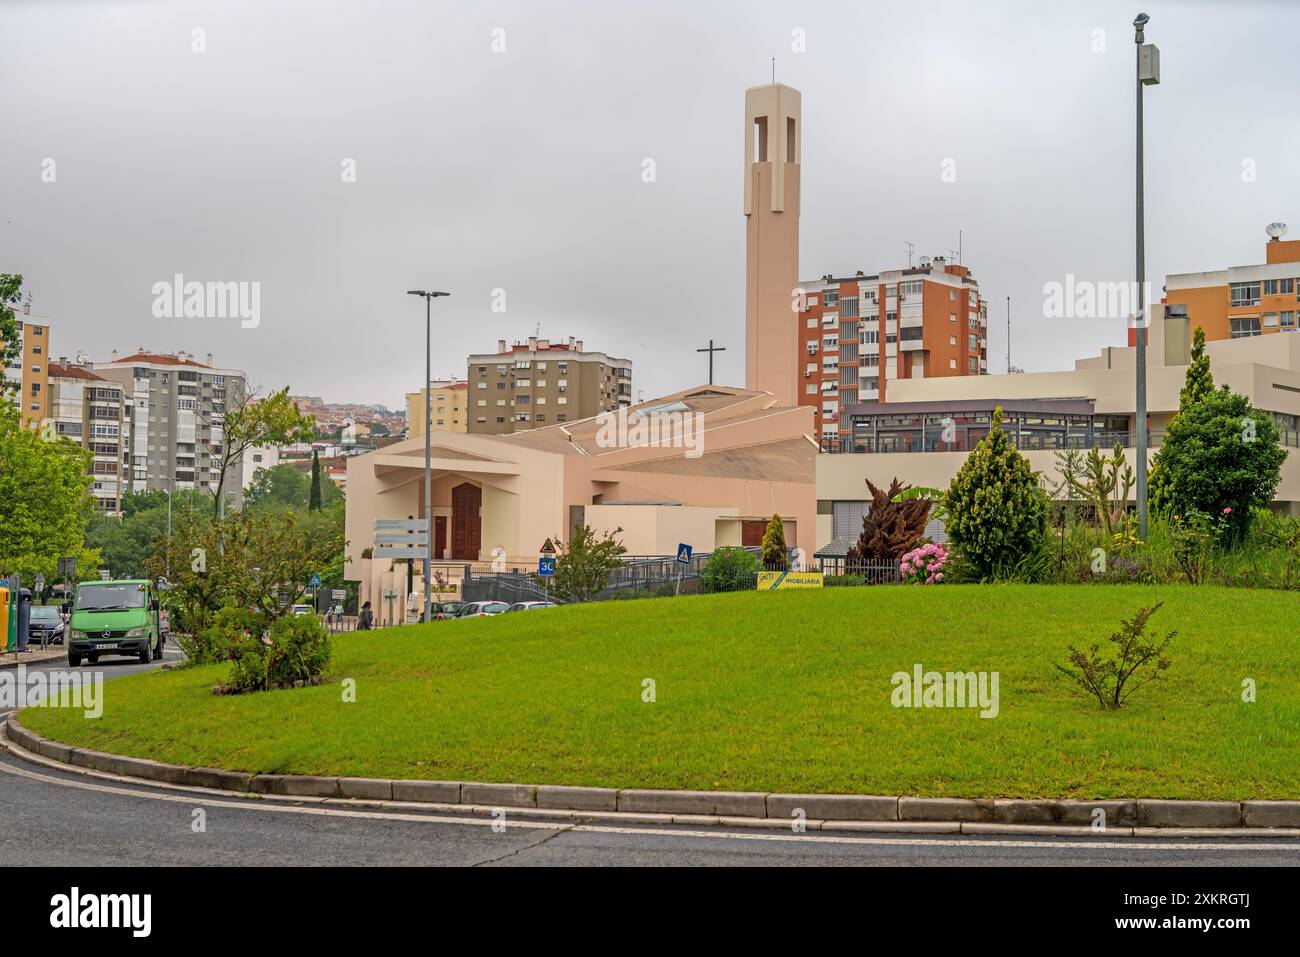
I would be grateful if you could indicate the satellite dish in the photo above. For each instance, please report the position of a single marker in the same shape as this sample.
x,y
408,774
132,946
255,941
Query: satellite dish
x,y
1275,230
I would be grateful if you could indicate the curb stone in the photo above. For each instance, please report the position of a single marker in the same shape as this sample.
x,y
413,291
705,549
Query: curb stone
x,y
850,812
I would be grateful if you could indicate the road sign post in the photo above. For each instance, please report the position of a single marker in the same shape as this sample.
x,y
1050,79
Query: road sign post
x,y
683,559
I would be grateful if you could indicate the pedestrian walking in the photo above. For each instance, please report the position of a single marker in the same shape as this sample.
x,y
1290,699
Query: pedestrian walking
x,y
366,620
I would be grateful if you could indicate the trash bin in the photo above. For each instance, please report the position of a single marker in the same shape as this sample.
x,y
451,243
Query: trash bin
x,y
7,632
24,616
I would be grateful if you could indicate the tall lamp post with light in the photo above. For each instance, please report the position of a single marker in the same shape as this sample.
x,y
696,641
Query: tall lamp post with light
x,y
428,447
1148,74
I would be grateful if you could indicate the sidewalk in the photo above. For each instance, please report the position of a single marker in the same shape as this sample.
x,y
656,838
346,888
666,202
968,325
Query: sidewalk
x,y
33,655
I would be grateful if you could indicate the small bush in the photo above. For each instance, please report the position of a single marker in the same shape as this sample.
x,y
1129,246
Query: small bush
x,y
1136,661
729,569
267,655
925,565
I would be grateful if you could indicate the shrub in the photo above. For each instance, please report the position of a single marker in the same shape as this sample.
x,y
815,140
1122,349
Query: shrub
x,y
924,565
774,550
1135,658
267,653
1219,452
996,511
892,526
729,569
584,563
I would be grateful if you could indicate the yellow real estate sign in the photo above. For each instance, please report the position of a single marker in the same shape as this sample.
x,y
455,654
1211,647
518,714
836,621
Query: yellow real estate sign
x,y
769,581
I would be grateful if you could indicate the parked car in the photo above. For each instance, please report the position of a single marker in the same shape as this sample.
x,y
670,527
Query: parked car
x,y
45,625
299,610
482,609
530,605
442,610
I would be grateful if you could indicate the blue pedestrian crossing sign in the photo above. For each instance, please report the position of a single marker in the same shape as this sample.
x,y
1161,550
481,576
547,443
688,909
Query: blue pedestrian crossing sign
x,y
546,565
314,581
684,554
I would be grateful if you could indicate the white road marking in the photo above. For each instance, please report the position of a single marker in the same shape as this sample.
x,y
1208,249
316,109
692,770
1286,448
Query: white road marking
x,y
972,841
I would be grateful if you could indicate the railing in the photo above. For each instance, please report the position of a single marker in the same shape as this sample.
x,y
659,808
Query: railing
x,y
966,441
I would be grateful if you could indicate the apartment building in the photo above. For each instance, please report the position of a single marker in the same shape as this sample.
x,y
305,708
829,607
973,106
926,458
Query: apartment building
x,y
92,411
860,333
30,370
448,407
539,383
1244,301
175,409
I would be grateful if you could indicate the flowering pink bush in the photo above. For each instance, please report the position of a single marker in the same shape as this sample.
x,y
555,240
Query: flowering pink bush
x,y
924,565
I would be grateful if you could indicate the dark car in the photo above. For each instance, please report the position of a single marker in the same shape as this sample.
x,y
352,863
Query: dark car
x,y
45,626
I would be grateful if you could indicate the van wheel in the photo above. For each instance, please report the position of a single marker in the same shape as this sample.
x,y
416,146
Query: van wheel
x,y
74,661
93,659
145,655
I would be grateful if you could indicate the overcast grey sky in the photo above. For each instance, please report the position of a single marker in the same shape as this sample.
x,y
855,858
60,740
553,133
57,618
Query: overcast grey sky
x,y
521,170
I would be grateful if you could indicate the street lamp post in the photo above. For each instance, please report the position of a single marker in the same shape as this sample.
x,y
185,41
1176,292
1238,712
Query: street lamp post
x,y
1148,73
428,447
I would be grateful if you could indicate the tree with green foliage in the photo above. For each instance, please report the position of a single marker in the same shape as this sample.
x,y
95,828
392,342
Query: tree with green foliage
x,y
11,291
584,563
775,556
1199,382
45,500
728,569
313,499
252,421
1220,453
247,560
996,509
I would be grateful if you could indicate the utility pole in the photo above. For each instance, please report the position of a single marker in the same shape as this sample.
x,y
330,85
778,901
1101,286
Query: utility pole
x,y
428,438
1008,335
1148,73
710,350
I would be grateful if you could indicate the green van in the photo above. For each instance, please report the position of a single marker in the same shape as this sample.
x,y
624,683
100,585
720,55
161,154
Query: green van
x,y
114,618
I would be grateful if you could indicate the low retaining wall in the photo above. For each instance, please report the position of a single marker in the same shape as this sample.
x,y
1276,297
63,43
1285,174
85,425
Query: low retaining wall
x,y
715,804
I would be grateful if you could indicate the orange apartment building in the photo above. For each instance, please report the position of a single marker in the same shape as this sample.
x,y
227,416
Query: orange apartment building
x,y
858,334
30,371
1244,301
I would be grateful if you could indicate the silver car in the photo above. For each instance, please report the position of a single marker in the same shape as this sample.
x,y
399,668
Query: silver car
x,y
482,609
531,605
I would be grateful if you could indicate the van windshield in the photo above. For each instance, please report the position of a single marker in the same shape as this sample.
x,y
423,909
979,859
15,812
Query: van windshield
x,y
110,596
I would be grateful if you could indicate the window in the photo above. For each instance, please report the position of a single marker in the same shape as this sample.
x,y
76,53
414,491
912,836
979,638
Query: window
x,y
1243,294
36,350
483,385
910,288
1245,328
952,363
971,343
952,294
1270,320
891,337
971,363
952,340
1270,287
812,322
849,308
870,336
831,298
1288,320
1286,286
952,317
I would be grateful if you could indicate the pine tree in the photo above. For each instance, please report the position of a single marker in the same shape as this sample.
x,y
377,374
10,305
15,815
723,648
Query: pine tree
x,y
1199,382
774,552
996,510
313,501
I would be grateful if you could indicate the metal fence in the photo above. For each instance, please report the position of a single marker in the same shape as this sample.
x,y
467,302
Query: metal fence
x,y
661,576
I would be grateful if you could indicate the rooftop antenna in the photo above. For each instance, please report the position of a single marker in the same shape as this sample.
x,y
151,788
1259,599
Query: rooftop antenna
x,y
1008,335
910,247
773,69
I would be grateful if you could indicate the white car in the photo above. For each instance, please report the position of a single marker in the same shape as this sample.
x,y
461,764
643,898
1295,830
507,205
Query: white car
x,y
531,605
299,610
482,609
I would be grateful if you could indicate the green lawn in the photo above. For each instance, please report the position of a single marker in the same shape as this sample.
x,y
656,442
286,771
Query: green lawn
x,y
780,691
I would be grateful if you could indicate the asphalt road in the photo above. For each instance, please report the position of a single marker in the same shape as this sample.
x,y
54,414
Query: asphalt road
x,y
59,818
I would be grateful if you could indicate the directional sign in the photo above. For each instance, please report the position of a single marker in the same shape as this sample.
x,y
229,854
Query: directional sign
x,y
400,524
401,538
67,567
546,565
105,574
683,554
400,552
40,583
314,581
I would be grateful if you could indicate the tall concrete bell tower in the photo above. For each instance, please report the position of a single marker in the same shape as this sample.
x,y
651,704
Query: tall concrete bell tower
x,y
773,141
